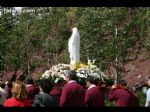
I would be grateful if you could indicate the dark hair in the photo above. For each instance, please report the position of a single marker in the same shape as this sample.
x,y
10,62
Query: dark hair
x,y
29,80
122,82
2,85
90,79
9,84
97,81
21,78
45,85
72,74
109,82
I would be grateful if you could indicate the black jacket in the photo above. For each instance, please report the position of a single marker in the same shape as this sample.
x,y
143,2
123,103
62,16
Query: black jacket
x,y
44,100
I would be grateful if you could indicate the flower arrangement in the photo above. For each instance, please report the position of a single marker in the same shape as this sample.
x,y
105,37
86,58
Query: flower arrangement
x,y
83,71
58,72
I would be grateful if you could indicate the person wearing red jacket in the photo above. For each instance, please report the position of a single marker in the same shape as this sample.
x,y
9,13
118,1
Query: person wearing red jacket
x,y
101,85
57,89
122,96
57,93
19,95
32,90
72,93
93,96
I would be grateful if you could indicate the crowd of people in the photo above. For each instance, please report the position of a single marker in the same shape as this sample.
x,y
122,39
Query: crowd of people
x,y
43,93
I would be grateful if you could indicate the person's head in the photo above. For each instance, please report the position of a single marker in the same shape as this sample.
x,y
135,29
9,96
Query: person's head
x,y
60,83
9,84
29,80
18,90
89,81
2,85
109,83
122,83
45,85
148,82
71,75
97,80
101,84
21,77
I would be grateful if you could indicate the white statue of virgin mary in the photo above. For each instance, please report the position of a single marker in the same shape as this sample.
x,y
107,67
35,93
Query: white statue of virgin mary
x,y
74,46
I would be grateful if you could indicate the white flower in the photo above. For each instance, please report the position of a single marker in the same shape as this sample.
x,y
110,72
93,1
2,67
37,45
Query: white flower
x,y
61,69
46,74
54,74
58,70
81,75
89,62
56,80
63,76
94,61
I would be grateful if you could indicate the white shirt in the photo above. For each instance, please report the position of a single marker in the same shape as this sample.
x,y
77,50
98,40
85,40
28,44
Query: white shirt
x,y
71,81
148,98
29,85
92,86
3,95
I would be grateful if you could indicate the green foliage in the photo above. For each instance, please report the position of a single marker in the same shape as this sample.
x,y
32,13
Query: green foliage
x,y
64,58
142,98
109,104
98,25
36,63
43,31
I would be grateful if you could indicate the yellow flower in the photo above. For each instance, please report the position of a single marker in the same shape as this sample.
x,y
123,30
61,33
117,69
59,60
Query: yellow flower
x,y
78,65
82,65
75,66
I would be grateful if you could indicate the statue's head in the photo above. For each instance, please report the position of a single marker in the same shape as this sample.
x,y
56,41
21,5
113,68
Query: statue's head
x,y
74,29
71,30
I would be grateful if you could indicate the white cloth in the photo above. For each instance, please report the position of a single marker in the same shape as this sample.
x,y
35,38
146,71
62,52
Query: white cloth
x,y
147,104
3,95
91,86
71,81
144,90
74,46
29,85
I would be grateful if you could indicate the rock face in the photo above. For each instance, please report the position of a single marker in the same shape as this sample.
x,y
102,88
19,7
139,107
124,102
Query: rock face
x,y
11,74
136,72
8,75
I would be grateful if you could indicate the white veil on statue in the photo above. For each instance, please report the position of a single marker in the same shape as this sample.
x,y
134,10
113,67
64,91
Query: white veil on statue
x,y
74,46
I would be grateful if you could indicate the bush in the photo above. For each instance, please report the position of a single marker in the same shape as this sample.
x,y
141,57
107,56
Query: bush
x,y
142,98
